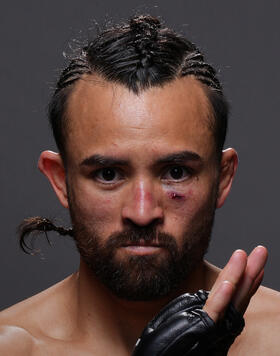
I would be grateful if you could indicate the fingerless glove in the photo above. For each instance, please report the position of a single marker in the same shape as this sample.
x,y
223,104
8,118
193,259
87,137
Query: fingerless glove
x,y
182,328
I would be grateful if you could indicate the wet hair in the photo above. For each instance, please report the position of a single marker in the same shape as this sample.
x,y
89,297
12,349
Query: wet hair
x,y
139,55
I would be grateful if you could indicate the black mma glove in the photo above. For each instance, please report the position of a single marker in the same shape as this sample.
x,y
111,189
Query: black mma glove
x,y
182,328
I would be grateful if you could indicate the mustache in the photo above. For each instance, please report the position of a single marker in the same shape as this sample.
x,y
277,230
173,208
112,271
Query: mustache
x,y
137,234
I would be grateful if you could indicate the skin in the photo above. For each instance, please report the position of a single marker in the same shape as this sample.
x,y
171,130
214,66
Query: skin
x,y
79,315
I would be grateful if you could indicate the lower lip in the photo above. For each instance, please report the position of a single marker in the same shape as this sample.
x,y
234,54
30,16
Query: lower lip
x,y
142,250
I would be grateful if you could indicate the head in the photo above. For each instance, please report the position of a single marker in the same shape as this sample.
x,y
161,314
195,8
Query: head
x,y
140,121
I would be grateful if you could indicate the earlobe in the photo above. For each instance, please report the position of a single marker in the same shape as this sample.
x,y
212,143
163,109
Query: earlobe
x,y
229,162
51,165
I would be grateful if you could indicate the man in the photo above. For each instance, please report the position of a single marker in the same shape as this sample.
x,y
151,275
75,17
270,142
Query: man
x,y
140,121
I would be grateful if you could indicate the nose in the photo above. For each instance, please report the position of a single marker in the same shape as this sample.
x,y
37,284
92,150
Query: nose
x,y
141,205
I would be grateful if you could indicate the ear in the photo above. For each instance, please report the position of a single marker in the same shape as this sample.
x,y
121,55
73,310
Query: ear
x,y
229,162
51,165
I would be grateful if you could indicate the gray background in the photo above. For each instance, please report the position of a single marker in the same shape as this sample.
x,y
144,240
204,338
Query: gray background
x,y
241,39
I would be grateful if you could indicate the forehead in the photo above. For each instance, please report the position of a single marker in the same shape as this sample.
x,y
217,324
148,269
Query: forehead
x,y
108,118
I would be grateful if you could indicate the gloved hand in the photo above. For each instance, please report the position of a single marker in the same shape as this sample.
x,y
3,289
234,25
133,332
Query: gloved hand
x,y
182,328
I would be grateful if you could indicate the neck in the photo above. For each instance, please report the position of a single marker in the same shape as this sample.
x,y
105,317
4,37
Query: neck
x,y
120,320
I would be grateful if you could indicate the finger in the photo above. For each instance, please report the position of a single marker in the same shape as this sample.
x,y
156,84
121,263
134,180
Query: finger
x,y
233,270
255,265
244,304
257,283
218,300
224,287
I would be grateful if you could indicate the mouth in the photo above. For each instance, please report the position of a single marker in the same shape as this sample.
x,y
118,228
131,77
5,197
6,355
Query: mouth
x,y
142,247
142,243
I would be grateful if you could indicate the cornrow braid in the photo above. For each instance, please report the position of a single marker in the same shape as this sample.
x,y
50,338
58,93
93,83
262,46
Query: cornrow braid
x,y
37,225
77,67
194,64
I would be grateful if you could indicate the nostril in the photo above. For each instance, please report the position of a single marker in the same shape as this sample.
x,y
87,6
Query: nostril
x,y
132,222
142,217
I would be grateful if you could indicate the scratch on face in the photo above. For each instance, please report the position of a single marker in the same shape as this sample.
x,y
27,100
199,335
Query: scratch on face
x,y
175,196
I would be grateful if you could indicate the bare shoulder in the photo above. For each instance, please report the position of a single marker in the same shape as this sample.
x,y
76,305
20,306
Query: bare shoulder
x,y
15,341
18,327
264,308
36,318
262,325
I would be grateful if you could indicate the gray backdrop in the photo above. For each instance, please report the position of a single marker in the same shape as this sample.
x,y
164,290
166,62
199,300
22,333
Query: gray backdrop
x,y
241,39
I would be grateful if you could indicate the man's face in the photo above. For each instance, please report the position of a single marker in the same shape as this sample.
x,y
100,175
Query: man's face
x,y
142,182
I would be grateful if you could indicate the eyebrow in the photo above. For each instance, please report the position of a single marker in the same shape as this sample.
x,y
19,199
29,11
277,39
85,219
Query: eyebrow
x,y
100,160
178,157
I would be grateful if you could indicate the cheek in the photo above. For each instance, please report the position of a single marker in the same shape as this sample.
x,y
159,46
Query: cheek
x,y
184,203
178,198
92,206
101,208
178,203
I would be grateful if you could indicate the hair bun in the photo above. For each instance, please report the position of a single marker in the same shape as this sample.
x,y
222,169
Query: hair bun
x,y
146,24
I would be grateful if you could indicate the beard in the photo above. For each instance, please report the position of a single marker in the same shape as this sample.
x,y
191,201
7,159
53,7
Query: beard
x,y
143,277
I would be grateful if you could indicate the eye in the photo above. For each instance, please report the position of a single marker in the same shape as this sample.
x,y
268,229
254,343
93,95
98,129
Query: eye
x,y
107,175
177,173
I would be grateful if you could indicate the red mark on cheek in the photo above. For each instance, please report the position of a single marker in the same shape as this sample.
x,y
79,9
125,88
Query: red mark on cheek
x,y
149,196
175,196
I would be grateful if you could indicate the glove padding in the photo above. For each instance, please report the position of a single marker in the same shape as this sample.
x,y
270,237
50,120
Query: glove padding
x,y
182,328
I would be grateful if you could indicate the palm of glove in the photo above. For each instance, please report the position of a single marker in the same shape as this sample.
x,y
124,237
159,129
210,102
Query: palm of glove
x,y
183,328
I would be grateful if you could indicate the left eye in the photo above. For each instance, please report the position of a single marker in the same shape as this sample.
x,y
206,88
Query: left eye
x,y
177,173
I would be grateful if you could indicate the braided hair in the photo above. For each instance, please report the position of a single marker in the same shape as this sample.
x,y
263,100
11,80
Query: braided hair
x,y
139,54
38,224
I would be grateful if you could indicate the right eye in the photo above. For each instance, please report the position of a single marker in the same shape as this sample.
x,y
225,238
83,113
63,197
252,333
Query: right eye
x,y
107,175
